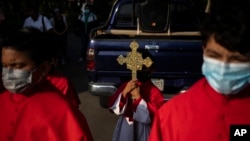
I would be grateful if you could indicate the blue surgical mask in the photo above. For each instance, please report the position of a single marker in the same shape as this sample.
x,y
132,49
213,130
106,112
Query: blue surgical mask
x,y
15,80
226,78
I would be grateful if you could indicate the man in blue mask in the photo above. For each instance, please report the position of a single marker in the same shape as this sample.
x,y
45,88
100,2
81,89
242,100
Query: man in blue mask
x,y
220,100
87,21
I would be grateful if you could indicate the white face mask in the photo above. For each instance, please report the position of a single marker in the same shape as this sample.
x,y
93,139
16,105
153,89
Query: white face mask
x,y
16,80
226,78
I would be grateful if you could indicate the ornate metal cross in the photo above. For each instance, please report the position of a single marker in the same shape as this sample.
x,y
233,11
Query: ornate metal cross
x,y
134,60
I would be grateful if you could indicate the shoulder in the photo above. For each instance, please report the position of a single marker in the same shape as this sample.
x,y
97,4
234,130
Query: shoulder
x,y
94,15
58,80
48,94
52,108
43,16
57,77
27,19
49,100
183,100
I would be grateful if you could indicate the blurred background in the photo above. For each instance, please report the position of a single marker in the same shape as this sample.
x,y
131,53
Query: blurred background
x,y
15,11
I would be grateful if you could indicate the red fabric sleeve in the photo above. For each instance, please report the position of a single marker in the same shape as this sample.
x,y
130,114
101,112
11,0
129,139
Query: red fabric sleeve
x,y
113,98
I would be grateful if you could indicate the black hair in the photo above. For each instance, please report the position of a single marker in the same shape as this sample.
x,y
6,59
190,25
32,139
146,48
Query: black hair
x,y
145,74
146,54
33,7
32,41
228,22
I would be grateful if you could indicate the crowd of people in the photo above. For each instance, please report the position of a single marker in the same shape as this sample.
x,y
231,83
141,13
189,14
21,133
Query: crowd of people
x,y
39,103
57,26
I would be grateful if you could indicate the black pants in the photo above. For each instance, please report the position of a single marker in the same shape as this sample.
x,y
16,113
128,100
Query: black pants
x,y
61,42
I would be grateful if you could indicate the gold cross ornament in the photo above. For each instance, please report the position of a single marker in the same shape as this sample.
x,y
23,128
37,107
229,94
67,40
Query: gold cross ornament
x,y
134,60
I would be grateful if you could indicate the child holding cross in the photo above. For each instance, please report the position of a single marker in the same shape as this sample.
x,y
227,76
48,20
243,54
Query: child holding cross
x,y
136,102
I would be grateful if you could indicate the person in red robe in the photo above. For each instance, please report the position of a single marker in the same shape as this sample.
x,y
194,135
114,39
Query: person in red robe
x,y
220,100
136,102
62,83
59,80
32,109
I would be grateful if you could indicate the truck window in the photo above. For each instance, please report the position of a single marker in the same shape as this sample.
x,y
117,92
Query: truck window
x,y
183,17
124,17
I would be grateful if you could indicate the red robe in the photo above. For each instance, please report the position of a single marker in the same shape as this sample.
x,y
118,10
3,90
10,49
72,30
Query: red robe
x,y
65,86
46,115
201,114
141,110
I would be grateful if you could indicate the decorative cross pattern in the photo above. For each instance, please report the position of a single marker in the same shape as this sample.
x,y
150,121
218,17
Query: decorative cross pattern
x,y
134,60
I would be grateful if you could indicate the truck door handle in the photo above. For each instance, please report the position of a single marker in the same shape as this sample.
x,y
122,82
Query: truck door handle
x,y
152,47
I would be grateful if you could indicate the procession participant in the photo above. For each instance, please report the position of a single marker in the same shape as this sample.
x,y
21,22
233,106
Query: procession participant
x,y
220,100
31,108
136,102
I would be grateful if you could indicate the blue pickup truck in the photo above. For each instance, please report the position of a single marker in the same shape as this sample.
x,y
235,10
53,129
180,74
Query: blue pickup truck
x,y
168,29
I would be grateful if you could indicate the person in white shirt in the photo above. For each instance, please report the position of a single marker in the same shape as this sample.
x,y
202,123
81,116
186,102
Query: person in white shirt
x,y
37,20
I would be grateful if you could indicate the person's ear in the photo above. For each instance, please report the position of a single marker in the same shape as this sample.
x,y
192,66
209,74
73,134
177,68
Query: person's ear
x,y
203,47
54,62
41,72
46,67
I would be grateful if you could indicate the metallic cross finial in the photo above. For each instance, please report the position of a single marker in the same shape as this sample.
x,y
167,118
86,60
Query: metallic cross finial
x,y
134,60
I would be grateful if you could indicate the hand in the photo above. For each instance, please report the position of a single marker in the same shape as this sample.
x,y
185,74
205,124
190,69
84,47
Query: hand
x,y
132,84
